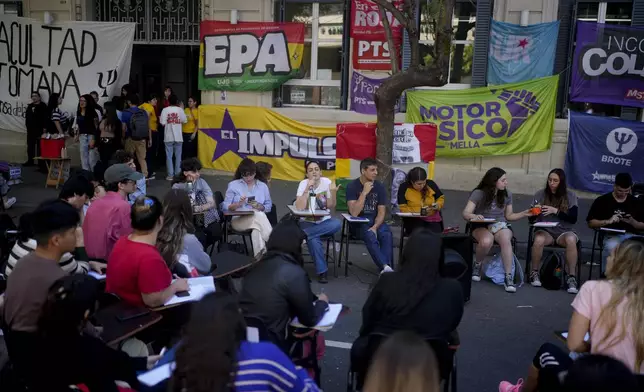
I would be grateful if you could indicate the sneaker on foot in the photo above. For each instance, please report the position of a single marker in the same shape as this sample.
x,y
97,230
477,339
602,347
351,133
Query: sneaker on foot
x,y
10,202
322,278
386,269
476,272
169,178
506,386
509,284
572,285
534,278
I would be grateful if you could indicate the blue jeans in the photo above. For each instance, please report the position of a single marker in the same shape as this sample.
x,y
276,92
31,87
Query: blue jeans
x,y
88,155
610,243
313,233
170,149
380,246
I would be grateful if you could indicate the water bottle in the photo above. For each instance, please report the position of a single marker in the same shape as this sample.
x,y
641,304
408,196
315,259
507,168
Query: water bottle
x,y
312,200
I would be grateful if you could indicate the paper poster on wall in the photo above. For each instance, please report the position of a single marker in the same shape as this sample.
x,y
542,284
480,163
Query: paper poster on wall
x,y
372,53
365,19
70,58
249,56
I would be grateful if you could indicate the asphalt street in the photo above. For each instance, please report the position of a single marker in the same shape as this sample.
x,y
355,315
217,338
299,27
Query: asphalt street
x,y
500,332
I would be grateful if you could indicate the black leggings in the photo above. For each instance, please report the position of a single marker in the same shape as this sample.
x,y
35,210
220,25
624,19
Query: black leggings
x,y
551,360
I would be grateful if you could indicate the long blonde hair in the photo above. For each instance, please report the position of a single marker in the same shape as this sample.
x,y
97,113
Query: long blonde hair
x,y
626,275
404,362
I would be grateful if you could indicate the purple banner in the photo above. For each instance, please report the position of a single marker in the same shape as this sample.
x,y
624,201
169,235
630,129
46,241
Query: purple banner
x,y
608,65
363,89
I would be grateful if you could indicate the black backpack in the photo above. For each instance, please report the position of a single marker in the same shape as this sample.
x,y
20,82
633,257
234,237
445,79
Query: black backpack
x,y
139,125
551,271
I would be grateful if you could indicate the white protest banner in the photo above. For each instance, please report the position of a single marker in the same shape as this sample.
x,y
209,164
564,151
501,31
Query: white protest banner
x,y
70,58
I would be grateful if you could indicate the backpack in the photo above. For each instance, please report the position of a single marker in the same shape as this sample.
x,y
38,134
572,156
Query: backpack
x,y
139,125
496,273
551,271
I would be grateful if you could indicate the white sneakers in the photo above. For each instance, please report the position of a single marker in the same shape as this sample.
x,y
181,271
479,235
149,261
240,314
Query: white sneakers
x,y
9,203
386,269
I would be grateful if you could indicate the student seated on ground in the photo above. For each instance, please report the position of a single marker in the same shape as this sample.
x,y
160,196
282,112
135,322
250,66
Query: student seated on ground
x,y
246,193
558,204
418,193
136,272
492,200
225,360
618,210
277,288
68,263
611,311
414,297
367,198
108,219
176,241
403,363
54,225
66,356
325,196
203,200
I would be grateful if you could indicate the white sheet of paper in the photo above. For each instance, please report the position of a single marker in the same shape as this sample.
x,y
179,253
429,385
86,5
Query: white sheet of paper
x,y
351,218
198,288
546,224
485,220
156,375
586,337
613,230
96,275
252,334
403,214
328,320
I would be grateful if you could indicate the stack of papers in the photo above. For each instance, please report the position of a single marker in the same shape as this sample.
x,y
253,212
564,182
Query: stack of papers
x,y
199,287
351,218
328,320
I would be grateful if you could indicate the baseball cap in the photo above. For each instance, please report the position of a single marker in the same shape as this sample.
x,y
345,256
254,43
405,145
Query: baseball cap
x,y
121,172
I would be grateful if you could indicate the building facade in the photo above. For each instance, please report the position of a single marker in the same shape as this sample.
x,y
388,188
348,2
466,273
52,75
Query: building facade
x,y
166,53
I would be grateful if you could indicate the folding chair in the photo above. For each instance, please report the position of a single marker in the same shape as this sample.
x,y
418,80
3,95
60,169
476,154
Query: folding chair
x,y
513,241
598,244
551,248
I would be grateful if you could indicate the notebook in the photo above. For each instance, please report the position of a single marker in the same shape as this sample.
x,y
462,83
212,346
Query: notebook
x,y
198,288
352,218
328,320
156,375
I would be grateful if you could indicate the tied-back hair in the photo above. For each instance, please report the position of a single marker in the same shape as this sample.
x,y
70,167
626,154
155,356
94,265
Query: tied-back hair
x,y
264,170
145,213
177,222
559,199
286,239
626,275
418,273
247,165
488,186
206,360
68,299
418,174
403,363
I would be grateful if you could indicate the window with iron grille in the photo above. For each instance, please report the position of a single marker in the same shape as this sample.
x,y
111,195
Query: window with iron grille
x,y
157,21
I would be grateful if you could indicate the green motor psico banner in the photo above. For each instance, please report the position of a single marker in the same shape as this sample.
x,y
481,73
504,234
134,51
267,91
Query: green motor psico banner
x,y
507,119
249,56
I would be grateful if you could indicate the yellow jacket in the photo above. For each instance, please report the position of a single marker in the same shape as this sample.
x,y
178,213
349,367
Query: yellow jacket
x,y
410,200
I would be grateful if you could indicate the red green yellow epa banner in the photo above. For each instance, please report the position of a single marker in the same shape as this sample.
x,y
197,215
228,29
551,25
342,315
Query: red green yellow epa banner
x,y
231,133
507,119
249,56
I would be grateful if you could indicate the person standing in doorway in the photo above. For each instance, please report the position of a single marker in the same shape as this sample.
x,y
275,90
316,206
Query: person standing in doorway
x,y
190,129
173,118
138,135
36,123
153,152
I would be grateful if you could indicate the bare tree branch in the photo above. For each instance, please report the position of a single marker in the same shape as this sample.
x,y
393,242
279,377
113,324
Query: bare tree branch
x,y
393,50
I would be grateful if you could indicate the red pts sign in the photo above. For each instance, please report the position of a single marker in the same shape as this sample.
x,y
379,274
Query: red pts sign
x,y
371,54
365,19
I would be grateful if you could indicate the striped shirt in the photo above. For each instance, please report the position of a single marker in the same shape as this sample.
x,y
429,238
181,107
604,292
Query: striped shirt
x,y
67,262
59,115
